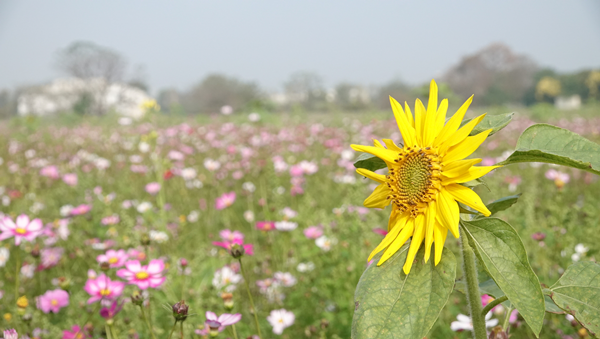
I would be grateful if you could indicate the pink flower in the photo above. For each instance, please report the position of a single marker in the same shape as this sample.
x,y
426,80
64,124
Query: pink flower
x,y
103,288
228,235
380,231
313,232
114,258
110,220
81,209
50,172
296,171
219,323
153,188
560,178
248,248
109,313
143,276
70,179
51,256
225,200
76,332
22,229
52,301
265,225
11,334
487,161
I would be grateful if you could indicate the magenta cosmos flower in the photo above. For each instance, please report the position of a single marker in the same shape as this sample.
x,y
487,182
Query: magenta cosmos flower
x,y
228,235
215,324
114,258
143,276
231,238
225,200
53,301
22,229
265,225
81,209
76,332
313,232
103,288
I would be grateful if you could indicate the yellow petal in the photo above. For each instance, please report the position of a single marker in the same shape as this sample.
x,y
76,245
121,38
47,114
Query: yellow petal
x,y
448,212
458,167
464,131
382,153
405,127
388,238
429,226
390,144
377,143
472,174
453,123
394,216
406,232
439,234
420,115
433,98
380,178
429,131
378,199
465,148
409,115
441,117
468,197
415,243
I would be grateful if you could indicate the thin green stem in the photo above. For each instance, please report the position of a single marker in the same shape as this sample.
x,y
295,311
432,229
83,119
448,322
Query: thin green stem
x,y
88,319
17,264
473,296
113,332
507,319
108,332
173,329
493,304
147,323
234,332
250,297
181,328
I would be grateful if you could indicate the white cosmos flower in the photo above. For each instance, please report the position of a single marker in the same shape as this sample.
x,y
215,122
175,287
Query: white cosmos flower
x,y
324,243
285,278
248,186
211,165
305,267
281,319
249,216
226,279
464,322
286,226
188,173
4,255
159,237
581,249
144,207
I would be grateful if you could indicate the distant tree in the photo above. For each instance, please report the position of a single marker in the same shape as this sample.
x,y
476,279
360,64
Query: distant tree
x,y
7,104
306,89
396,89
495,69
216,91
593,84
351,96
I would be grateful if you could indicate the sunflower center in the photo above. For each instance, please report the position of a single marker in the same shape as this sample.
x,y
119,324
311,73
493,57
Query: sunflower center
x,y
414,180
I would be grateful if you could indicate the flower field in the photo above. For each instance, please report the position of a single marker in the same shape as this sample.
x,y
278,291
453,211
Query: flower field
x,y
222,224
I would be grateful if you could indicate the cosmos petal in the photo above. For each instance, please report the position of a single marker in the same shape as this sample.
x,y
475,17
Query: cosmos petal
x,y
378,199
468,197
380,178
406,232
415,243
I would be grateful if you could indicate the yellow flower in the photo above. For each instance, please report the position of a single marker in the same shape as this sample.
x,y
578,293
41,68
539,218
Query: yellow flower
x,y
150,105
424,177
22,302
7,317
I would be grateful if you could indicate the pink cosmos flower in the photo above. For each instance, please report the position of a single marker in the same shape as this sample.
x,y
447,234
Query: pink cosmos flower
x,y
136,254
560,178
248,248
109,313
228,235
52,301
143,276
51,256
50,172
225,200
81,209
76,332
114,258
153,188
486,299
22,229
70,179
313,232
218,324
11,334
110,220
380,231
103,288
265,225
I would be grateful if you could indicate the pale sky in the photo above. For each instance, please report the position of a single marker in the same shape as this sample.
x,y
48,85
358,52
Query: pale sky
x,y
178,42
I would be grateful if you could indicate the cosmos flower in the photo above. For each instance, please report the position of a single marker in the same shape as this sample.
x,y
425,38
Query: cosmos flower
x,y
280,320
70,179
110,312
286,279
11,334
286,226
226,279
225,200
425,175
81,209
52,301
464,323
114,258
103,288
265,225
313,232
143,276
153,188
23,228
76,332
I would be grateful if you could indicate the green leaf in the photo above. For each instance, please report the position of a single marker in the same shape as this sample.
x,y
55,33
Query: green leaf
x,y
551,144
499,248
578,293
370,162
502,203
494,122
390,304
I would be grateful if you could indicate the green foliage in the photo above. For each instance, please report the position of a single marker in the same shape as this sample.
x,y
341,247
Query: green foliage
x,y
578,293
391,304
370,162
502,203
493,122
547,143
499,248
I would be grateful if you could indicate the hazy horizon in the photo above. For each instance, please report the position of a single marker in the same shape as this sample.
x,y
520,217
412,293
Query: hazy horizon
x,y
178,44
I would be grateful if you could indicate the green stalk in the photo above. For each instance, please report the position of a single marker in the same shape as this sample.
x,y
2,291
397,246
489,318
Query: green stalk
x,y
173,329
113,332
17,264
473,296
493,304
181,327
108,332
250,297
147,323
235,336
506,319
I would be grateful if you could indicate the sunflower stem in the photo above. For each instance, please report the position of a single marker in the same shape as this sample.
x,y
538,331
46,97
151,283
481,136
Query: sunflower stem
x,y
493,304
473,296
250,297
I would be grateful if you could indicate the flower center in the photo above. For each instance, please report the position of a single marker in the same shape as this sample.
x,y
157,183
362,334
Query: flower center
x,y
414,180
105,292
54,302
113,260
141,275
20,230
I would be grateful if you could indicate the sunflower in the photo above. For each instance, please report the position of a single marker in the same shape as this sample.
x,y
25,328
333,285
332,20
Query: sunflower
x,y
424,178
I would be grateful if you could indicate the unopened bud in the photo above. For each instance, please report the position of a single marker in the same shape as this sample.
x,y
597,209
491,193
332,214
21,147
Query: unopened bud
x,y
227,300
583,333
180,311
237,251
183,262
136,298
22,302
324,323
27,318
498,333
145,240
64,283
35,252
213,327
104,266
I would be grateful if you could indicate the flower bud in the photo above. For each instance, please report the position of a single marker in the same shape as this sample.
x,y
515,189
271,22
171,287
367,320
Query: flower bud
x,y
27,318
35,252
64,283
180,311
104,266
145,240
136,298
22,302
498,333
183,262
237,251
227,301
583,333
214,327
